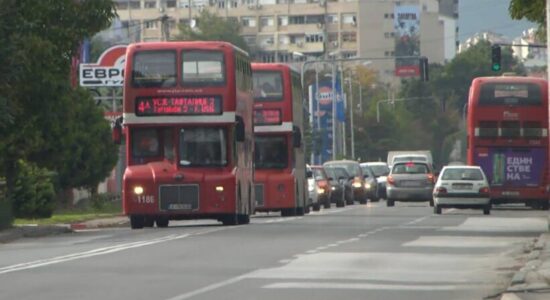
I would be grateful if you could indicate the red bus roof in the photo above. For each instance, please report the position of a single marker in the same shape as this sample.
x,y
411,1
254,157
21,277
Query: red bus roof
x,y
214,103
267,110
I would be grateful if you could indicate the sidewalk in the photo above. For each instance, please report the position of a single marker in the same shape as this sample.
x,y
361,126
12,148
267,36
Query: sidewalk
x,y
532,281
32,230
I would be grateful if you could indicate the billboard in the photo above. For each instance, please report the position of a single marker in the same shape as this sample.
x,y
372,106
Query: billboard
x,y
512,167
320,106
407,39
108,71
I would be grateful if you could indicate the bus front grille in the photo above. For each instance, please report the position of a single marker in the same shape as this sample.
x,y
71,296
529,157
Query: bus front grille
x,y
259,194
179,197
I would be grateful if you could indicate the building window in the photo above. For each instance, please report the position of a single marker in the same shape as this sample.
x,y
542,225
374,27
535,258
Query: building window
x,y
121,5
282,20
348,19
349,37
221,4
135,4
250,39
389,34
284,39
349,54
314,38
248,21
266,21
296,20
332,19
171,3
150,4
152,24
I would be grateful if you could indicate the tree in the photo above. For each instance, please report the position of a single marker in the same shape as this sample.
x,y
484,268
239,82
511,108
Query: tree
x,y
211,27
532,10
37,42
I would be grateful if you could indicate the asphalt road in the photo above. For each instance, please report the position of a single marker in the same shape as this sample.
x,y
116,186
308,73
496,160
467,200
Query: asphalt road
x,y
356,252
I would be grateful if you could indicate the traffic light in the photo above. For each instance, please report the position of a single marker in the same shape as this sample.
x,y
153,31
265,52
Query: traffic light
x,y
495,58
424,69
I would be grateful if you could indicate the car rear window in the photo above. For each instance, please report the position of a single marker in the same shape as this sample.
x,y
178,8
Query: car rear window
x,y
462,174
410,168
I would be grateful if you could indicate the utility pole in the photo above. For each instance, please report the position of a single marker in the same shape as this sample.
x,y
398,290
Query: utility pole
x,y
333,111
351,117
548,37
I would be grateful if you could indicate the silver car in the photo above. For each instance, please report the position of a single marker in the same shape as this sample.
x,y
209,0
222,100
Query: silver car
x,y
462,187
410,181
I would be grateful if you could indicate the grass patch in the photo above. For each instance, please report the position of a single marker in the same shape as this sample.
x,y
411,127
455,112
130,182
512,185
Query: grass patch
x,y
77,214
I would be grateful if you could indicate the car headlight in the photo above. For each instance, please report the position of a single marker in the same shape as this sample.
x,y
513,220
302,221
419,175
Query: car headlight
x,y
367,185
333,188
320,191
356,184
310,188
138,190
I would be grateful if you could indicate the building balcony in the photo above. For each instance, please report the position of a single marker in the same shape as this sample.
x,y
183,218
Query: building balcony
x,y
306,47
301,28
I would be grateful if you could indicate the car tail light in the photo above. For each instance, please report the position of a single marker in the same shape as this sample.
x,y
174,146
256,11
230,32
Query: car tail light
x,y
390,180
440,191
484,191
431,178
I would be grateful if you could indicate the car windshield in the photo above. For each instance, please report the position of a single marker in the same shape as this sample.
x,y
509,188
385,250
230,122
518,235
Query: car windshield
x,y
336,172
462,174
318,174
380,170
366,171
410,168
353,169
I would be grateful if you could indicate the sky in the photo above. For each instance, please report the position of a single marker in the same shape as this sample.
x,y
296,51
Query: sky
x,y
488,15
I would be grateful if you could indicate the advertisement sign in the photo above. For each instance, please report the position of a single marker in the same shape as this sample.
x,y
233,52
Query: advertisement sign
x,y
508,167
407,39
321,118
108,71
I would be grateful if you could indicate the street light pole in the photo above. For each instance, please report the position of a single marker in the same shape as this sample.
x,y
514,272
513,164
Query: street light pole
x,y
352,129
333,111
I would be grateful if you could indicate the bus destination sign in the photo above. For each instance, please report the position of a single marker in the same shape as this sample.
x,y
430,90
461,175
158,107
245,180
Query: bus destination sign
x,y
182,105
267,117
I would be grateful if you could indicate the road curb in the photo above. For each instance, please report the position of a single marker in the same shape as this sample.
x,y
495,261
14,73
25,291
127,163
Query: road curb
x,y
18,232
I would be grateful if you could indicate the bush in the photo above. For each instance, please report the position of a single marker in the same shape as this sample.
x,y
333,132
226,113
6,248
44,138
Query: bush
x,y
34,193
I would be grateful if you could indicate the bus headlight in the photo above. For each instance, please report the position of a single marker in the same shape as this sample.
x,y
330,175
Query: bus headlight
x,y
138,190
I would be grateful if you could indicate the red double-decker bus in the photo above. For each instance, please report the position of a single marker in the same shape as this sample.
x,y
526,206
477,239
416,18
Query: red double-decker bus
x,y
188,115
508,137
279,153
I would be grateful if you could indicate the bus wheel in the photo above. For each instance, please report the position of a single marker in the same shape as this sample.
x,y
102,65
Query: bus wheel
x,y
230,220
288,212
243,219
162,222
137,222
317,206
148,222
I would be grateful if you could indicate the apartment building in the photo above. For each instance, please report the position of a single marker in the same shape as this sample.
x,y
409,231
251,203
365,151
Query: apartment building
x,y
294,30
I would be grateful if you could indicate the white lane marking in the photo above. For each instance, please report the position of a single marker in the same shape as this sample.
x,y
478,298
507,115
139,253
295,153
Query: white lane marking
x,y
495,224
416,221
464,241
99,251
209,288
362,286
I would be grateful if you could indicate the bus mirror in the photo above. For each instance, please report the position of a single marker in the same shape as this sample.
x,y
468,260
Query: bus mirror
x,y
296,137
117,131
239,129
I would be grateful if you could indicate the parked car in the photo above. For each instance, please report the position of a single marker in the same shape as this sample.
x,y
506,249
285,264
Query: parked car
x,y
462,187
371,183
356,181
338,178
381,171
410,181
322,185
312,190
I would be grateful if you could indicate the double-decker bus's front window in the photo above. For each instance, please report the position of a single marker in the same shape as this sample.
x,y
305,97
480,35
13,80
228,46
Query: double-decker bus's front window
x,y
154,69
271,152
203,67
145,143
514,94
268,86
204,147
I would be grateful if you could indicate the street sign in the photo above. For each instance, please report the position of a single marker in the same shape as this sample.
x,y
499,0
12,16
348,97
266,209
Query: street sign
x,y
107,72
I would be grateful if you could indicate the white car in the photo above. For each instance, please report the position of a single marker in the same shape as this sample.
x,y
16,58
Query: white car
x,y
312,190
462,187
